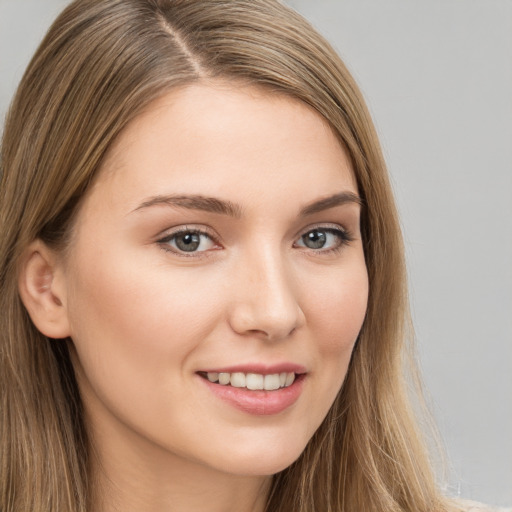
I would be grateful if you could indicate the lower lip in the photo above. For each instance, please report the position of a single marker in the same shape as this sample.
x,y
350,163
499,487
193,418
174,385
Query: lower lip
x,y
258,402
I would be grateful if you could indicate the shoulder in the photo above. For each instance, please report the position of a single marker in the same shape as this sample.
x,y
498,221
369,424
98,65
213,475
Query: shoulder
x,y
473,506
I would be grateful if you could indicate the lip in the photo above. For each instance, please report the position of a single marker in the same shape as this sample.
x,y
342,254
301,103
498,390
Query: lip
x,y
258,402
262,369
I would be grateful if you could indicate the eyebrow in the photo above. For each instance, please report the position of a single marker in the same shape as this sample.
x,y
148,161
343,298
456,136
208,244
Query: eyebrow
x,y
220,206
195,202
331,202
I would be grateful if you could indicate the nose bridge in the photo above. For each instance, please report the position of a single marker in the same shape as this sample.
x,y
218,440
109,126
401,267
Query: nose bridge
x,y
267,302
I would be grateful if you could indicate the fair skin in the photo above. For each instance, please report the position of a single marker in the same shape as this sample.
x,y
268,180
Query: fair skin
x,y
162,288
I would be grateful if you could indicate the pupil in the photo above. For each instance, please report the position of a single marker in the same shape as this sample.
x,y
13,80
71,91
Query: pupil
x,y
315,239
188,242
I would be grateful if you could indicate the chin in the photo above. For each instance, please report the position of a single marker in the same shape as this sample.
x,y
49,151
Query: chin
x,y
259,462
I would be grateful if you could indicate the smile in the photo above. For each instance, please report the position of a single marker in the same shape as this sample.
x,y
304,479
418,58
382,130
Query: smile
x,y
257,393
253,381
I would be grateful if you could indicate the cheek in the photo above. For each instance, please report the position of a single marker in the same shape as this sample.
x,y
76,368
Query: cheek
x,y
134,318
128,295
134,328
338,310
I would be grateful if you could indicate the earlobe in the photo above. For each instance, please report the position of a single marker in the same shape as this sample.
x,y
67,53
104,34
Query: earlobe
x,y
42,290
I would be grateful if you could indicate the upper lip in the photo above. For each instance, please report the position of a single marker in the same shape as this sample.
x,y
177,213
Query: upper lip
x,y
259,368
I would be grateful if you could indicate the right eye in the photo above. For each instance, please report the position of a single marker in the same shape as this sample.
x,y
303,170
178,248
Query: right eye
x,y
187,241
324,239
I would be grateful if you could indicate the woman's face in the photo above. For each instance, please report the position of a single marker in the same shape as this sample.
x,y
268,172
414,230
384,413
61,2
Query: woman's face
x,y
219,250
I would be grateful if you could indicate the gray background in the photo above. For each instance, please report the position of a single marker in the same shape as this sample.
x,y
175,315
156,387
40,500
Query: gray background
x,y
437,75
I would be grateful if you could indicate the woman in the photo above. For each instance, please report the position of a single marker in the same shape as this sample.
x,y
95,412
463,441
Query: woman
x,y
201,271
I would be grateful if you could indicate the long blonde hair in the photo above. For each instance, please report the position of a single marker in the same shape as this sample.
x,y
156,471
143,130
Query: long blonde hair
x,y
101,64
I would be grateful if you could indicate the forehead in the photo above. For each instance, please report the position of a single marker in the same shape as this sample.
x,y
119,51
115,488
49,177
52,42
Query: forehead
x,y
214,138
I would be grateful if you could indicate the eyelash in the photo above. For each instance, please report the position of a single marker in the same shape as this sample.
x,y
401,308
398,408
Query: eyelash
x,y
343,235
344,238
164,242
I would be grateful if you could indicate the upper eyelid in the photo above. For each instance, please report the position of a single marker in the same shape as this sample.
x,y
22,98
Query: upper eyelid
x,y
203,230
323,225
346,233
207,230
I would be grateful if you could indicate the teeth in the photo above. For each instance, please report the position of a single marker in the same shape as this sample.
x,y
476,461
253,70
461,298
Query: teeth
x,y
224,378
213,377
290,377
253,381
272,382
238,380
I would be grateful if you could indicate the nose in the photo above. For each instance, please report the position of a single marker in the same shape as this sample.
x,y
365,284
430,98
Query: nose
x,y
265,302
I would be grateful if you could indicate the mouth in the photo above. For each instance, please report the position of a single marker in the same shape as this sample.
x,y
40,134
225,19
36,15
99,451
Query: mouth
x,y
252,381
259,394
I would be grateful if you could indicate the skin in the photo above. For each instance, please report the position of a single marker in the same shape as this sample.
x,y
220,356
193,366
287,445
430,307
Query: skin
x,y
145,318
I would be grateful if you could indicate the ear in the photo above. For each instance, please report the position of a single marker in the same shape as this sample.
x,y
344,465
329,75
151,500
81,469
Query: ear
x,y
42,289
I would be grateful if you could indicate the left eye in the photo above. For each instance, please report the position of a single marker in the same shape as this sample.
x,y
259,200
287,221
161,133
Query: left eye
x,y
323,238
189,241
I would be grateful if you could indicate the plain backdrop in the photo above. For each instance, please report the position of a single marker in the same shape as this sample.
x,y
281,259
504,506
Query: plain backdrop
x,y
437,75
